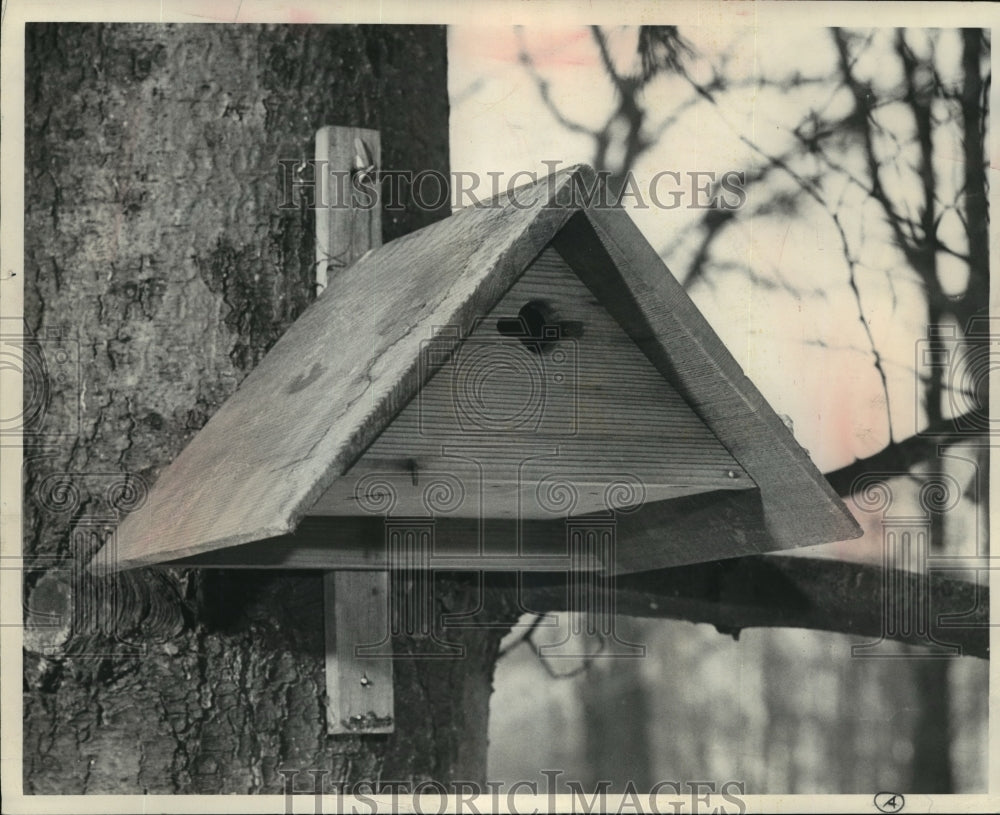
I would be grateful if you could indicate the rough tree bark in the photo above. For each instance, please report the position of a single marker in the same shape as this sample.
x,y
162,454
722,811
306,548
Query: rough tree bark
x,y
153,235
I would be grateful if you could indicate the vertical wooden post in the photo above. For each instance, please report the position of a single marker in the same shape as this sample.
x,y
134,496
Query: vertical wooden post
x,y
355,603
358,687
348,220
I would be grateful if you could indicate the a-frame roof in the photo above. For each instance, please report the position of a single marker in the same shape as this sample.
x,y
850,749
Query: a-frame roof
x,y
352,361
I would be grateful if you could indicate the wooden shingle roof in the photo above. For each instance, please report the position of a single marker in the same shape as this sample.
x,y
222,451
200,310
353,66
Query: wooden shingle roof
x,y
350,364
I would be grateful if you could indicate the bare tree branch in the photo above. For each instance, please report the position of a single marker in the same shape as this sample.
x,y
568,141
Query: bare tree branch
x,y
767,591
901,456
852,280
620,82
545,91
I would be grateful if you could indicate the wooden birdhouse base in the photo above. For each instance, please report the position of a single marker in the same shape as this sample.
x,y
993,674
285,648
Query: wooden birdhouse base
x,y
694,524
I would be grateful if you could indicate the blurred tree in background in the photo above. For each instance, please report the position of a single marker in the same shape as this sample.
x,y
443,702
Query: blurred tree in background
x,y
875,151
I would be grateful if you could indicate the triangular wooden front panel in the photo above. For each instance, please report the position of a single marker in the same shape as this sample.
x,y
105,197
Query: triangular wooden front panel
x,y
572,419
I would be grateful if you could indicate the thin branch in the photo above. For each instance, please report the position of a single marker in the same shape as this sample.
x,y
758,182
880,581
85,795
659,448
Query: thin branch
x,y
544,90
609,67
525,636
862,119
856,291
811,190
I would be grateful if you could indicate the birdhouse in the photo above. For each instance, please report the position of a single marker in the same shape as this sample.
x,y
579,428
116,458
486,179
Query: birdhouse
x,y
479,394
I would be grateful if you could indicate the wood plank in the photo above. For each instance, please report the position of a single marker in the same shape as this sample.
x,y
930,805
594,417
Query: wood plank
x,y
465,491
360,543
702,526
350,223
359,691
358,652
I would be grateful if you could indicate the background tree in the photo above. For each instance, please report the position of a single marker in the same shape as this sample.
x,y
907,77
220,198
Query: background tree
x,y
888,151
885,150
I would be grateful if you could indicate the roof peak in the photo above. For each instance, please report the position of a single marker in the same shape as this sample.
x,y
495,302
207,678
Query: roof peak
x,y
573,187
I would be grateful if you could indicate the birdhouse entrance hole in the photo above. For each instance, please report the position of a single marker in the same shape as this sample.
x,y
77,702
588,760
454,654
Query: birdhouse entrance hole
x,y
534,326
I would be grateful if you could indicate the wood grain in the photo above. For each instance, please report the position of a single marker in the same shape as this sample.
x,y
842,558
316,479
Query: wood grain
x,y
348,217
504,423
358,652
359,691
703,526
361,543
336,378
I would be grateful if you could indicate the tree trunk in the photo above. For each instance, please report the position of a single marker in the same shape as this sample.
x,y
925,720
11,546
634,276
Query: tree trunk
x,y
616,711
154,240
931,771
